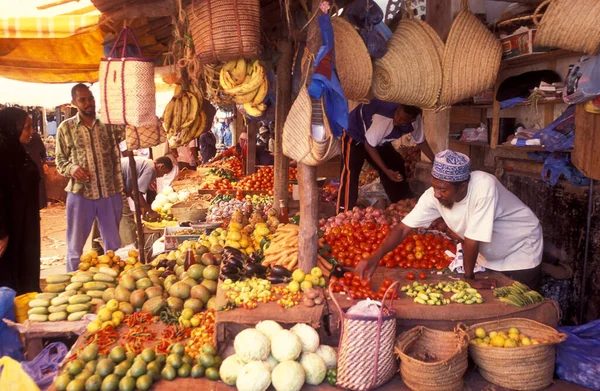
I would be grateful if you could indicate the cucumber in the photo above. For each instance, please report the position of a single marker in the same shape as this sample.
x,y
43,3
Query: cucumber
x,y
60,300
95,286
101,277
38,311
74,286
55,288
96,301
95,294
82,278
79,299
109,271
57,316
57,308
73,308
76,316
58,278
38,318
46,296
68,293
39,303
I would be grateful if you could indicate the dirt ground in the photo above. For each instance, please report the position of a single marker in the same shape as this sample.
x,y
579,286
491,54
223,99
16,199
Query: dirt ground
x,y
53,229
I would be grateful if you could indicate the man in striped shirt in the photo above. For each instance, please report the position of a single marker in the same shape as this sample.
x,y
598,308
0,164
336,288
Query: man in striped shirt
x,y
87,153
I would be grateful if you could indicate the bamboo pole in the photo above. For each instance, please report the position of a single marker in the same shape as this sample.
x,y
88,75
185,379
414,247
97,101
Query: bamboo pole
x,y
307,175
251,145
138,209
282,108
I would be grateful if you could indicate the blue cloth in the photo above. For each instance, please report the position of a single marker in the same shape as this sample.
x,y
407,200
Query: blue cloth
x,y
560,134
511,102
227,138
10,344
451,166
578,358
326,83
361,118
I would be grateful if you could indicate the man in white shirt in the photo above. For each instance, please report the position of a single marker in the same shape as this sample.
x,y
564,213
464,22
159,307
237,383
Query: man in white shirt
x,y
490,219
371,129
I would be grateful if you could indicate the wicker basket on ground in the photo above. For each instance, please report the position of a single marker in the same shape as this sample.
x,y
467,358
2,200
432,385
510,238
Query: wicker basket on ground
x,y
433,360
521,368
190,211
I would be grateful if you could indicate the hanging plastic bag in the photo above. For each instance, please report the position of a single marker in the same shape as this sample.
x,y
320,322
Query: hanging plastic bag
x,y
560,134
13,377
583,81
44,368
10,344
578,358
559,164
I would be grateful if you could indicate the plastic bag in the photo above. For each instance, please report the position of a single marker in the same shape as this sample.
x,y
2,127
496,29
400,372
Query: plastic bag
x,y
13,377
560,134
555,166
583,81
45,366
578,358
10,344
368,308
475,134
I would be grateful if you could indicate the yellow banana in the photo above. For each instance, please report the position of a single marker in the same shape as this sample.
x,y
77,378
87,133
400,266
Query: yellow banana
x,y
168,114
262,92
224,83
245,98
201,124
192,110
229,65
252,111
261,106
176,124
239,72
252,84
185,108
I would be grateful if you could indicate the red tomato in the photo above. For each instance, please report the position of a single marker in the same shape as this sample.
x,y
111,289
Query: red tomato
x,y
390,264
387,282
348,275
410,276
422,276
410,258
418,255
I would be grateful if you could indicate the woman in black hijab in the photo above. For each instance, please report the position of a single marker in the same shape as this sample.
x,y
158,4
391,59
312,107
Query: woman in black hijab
x,y
19,205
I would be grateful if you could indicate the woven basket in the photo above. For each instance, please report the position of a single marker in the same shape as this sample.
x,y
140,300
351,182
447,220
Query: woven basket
x,y
521,368
411,71
144,136
352,60
570,24
298,143
127,89
189,211
213,92
448,361
471,59
225,30
366,351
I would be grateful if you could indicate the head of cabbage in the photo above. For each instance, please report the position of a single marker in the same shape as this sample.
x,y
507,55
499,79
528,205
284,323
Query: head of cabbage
x,y
230,369
314,367
285,345
252,345
288,376
328,355
268,327
308,336
255,376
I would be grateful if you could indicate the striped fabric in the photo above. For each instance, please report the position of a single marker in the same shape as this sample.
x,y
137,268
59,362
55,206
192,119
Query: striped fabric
x,y
47,27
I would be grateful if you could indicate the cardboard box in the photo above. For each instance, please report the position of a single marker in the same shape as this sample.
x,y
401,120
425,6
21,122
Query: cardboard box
x,y
521,44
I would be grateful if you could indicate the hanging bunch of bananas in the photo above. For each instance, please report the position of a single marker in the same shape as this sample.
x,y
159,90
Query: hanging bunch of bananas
x,y
184,119
247,83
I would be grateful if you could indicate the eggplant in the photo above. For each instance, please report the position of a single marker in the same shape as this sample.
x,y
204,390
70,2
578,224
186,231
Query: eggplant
x,y
233,262
233,251
162,263
338,271
277,279
233,277
230,269
280,271
171,264
255,270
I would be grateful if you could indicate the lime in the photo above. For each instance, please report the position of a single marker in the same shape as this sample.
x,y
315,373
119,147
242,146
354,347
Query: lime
x,y
121,369
168,373
212,374
161,359
178,349
154,374
62,382
143,382
209,349
84,375
187,313
298,275
513,330
175,361
480,333
127,384
89,353
91,366
76,385
131,356
105,367
187,359
206,360
93,383
316,272
218,362
118,354
75,367
110,383
197,371
138,368
148,355
184,371
294,286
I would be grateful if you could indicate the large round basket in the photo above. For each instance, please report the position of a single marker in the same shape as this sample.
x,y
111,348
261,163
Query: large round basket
x,y
411,72
471,59
190,211
352,60
521,368
433,360
225,30
571,25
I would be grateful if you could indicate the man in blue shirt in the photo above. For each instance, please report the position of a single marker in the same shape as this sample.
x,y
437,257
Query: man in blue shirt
x,y
227,135
371,129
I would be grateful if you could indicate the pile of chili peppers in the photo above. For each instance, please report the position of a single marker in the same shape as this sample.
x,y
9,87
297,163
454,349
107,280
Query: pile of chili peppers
x,y
170,335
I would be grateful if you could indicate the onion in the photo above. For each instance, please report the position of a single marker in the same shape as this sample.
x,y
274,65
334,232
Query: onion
x,y
376,213
369,209
356,209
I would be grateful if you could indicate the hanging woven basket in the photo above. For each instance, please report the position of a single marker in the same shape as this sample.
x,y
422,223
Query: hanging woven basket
x,y
570,24
471,59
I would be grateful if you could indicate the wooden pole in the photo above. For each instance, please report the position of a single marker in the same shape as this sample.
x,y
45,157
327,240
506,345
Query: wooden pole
x,y
138,209
282,108
251,161
307,175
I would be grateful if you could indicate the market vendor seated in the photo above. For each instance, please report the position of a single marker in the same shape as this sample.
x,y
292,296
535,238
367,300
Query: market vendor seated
x,y
371,129
240,149
490,219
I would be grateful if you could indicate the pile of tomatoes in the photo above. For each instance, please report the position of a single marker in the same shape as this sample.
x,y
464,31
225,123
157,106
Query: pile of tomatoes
x,y
261,180
353,242
216,183
293,174
360,289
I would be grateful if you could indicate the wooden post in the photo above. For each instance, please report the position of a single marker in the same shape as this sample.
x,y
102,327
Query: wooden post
x,y
307,175
138,209
282,108
251,161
